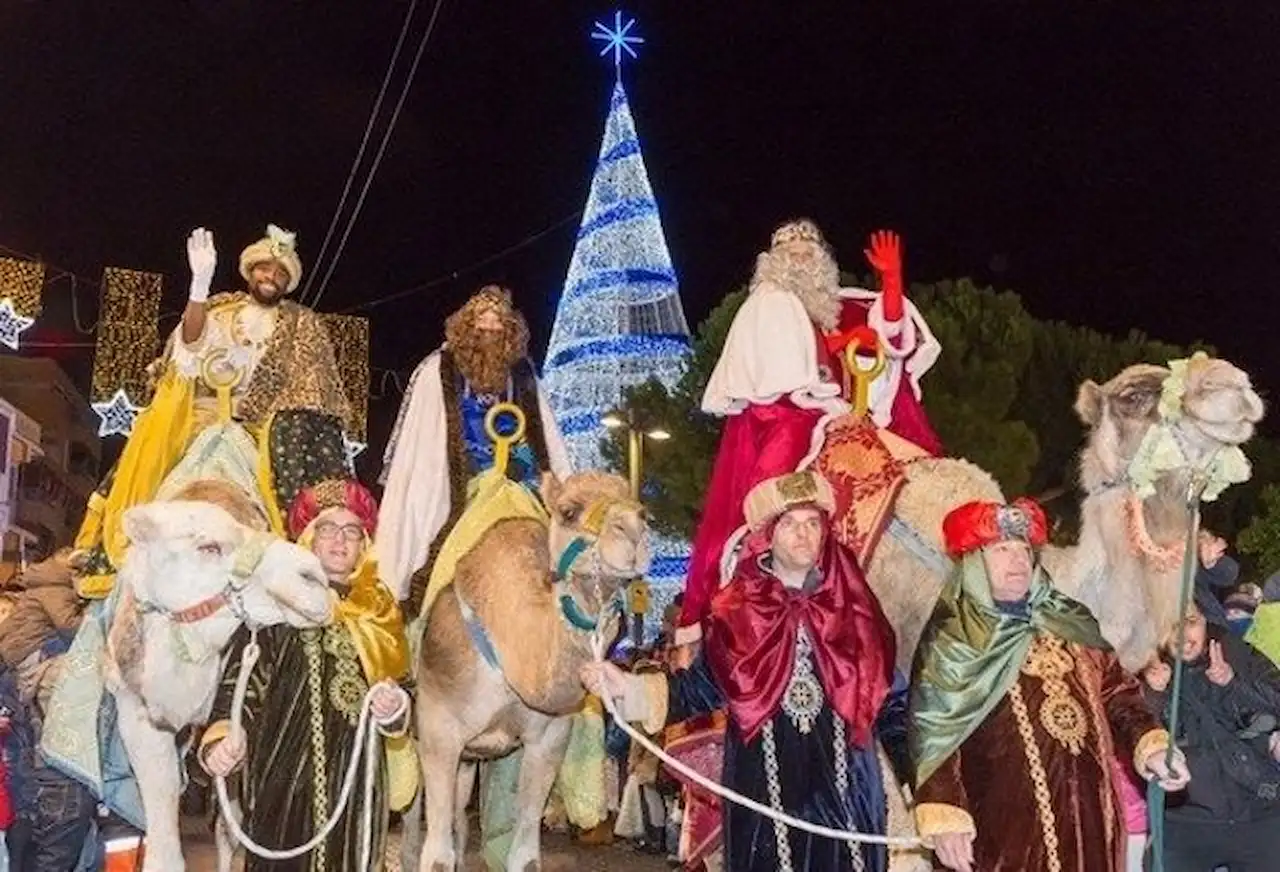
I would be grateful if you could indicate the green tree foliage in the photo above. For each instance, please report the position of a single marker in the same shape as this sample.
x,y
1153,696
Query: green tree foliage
x,y
1260,540
987,340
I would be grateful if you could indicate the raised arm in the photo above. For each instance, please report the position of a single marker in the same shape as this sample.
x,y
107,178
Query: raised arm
x,y
884,252
203,258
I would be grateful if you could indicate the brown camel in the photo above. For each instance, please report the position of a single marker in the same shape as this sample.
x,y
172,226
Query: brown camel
x,y
1126,567
473,708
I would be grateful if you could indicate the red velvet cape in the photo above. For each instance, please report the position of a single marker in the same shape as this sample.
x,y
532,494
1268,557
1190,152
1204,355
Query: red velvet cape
x,y
751,636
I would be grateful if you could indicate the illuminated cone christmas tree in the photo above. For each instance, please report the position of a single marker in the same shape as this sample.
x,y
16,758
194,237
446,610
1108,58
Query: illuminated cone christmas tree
x,y
619,322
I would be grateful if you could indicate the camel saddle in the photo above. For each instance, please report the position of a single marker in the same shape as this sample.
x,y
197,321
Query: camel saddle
x,y
866,467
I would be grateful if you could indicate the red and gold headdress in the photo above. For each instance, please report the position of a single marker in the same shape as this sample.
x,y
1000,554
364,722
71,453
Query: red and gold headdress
x,y
979,524
333,493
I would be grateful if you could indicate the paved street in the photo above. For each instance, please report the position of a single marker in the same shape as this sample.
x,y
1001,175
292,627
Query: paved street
x,y
559,855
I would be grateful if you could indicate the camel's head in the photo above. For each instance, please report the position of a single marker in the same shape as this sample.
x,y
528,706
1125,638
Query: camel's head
x,y
185,555
596,526
1206,404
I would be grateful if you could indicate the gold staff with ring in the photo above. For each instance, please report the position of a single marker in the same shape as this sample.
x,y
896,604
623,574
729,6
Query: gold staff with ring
x,y
222,385
502,443
862,378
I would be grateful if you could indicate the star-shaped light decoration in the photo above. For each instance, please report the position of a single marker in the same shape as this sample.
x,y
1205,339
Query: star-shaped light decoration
x,y
12,324
353,449
618,39
117,414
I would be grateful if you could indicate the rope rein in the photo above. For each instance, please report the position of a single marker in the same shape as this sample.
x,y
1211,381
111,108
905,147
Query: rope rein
x,y
366,740
599,645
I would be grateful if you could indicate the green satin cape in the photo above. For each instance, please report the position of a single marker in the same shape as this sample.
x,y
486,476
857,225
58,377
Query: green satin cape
x,y
970,654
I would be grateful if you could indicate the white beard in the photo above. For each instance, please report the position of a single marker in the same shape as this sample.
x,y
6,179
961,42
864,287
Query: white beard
x,y
816,283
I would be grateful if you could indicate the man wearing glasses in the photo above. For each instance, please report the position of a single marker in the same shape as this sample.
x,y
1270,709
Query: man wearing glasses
x,y
305,696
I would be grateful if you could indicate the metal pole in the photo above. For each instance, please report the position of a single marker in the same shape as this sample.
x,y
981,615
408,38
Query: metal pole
x,y
635,455
634,449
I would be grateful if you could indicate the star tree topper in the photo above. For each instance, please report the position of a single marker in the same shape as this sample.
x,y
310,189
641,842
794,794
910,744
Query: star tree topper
x,y
117,414
617,39
12,324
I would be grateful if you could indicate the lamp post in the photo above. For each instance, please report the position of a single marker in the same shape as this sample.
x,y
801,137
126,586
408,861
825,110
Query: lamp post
x,y
638,590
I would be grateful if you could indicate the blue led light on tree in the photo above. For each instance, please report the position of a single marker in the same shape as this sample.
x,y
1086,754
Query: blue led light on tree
x,y
619,321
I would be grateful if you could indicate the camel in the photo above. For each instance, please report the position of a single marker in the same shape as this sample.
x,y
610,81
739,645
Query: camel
x,y
1127,564
191,576
507,593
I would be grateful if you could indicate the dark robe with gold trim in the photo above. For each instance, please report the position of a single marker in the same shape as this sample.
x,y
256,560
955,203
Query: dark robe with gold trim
x,y
300,715
1035,777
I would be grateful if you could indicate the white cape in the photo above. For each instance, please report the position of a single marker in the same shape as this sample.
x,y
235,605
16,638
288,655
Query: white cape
x,y
415,475
771,352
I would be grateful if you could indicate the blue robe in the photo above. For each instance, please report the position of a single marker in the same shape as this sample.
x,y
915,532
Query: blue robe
x,y
809,781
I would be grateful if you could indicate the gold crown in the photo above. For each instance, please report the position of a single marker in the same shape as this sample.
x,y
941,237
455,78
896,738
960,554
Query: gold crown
x,y
801,230
491,295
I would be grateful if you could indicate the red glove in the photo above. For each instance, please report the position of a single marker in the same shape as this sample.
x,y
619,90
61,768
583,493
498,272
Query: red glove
x,y
885,254
866,337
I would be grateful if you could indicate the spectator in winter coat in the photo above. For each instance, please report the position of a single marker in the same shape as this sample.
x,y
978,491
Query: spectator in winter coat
x,y
46,606
1229,729
1215,574
1239,607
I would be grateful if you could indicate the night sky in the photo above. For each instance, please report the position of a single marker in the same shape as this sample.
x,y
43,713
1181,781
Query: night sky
x,y
1117,166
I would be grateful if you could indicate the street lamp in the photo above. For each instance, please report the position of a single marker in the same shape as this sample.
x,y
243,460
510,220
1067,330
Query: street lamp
x,y
638,591
636,434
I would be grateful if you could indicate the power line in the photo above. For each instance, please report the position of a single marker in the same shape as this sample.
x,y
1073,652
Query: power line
x,y
457,273
364,143
382,148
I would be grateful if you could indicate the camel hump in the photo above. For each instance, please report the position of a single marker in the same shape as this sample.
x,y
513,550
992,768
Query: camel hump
x,y
225,496
937,485
512,556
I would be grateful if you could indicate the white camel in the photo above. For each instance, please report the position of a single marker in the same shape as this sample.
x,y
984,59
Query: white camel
x,y
191,576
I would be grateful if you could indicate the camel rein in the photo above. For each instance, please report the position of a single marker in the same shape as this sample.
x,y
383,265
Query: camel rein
x,y
366,739
1155,793
600,645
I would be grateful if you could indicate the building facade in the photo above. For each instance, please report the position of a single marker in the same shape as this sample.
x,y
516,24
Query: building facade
x,y
50,489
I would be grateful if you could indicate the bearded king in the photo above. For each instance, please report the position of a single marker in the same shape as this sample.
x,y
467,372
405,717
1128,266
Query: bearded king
x,y
248,410
247,392
803,353
473,420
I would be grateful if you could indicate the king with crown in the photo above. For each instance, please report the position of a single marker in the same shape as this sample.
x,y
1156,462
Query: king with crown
x,y
801,355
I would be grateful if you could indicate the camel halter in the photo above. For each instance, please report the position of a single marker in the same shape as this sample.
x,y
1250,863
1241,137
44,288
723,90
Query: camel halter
x,y
247,557
592,523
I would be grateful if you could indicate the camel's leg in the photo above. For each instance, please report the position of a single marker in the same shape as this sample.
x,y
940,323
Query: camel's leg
x,y
153,754
545,741
461,825
439,751
411,833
